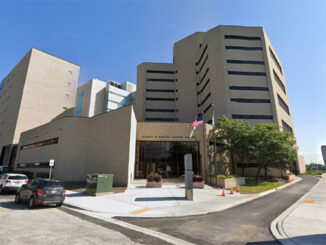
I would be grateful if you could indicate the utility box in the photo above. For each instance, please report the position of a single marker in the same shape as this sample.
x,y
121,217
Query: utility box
x,y
99,184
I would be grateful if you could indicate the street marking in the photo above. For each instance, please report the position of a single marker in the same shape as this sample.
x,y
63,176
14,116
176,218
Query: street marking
x,y
309,201
139,211
249,196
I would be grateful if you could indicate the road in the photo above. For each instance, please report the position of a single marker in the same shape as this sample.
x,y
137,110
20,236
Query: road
x,y
245,224
51,225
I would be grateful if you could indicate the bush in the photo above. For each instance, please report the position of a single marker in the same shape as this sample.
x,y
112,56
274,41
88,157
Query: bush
x,y
313,172
43,175
154,177
197,178
226,176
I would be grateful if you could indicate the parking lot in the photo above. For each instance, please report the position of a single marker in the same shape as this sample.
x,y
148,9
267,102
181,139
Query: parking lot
x,y
51,225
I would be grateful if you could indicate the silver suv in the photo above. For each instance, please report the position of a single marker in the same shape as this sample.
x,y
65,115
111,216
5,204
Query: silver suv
x,y
12,182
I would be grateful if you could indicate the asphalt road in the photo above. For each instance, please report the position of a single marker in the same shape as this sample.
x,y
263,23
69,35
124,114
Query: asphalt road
x,y
51,225
245,224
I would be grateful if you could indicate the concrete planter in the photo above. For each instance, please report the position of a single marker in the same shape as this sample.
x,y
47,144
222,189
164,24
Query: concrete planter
x,y
154,184
198,184
231,182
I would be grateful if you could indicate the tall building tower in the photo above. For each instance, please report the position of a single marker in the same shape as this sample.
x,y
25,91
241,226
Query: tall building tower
x,y
323,152
234,69
38,89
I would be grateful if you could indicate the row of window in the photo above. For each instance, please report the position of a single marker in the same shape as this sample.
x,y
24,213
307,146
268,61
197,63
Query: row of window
x,y
207,108
247,73
204,100
240,100
161,110
33,165
160,80
241,37
202,89
151,119
161,72
251,62
117,94
201,56
162,90
243,48
279,82
162,99
239,116
283,105
204,62
248,88
40,144
203,77
275,60
286,127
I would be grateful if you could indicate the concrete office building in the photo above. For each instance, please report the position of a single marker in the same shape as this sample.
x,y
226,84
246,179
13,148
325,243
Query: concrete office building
x,y
39,88
96,97
233,68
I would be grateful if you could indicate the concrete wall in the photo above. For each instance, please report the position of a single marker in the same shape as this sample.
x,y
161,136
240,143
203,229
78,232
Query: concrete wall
x,y
100,144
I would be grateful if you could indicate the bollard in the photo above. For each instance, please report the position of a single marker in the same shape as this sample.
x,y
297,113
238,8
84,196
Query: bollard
x,y
188,176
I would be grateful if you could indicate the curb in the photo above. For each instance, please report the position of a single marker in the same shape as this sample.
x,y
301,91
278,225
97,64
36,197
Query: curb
x,y
195,213
276,227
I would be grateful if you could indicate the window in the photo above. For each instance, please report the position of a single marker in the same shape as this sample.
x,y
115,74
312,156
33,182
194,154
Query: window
x,y
204,100
70,72
160,110
160,72
279,82
201,56
202,89
283,105
207,108
275,60
68,83
33,165
117,94
203,77
161,99
80,101
203,64
241,37
243,48
161,90
237,100
248,88
247,73
66,96
65,108
286,127
160,80
238,116
252,62
160,119
40,144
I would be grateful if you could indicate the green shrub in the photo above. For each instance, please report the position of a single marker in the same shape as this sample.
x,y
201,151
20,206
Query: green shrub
x,y
318,172
226,176
43,175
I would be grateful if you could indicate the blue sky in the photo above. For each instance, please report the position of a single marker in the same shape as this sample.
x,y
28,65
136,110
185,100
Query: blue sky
x,y
109,38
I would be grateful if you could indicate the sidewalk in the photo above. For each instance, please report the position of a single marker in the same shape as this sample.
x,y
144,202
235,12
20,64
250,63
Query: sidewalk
x,y
305,221
168,201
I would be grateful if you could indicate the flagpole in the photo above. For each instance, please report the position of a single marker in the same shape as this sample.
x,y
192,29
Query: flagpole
x,y
204,145
213,121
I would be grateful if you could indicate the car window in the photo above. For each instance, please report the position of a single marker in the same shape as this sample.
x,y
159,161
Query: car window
x,y
19,177
52,184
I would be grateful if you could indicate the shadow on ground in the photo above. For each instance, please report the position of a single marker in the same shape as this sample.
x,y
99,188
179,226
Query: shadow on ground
x,y
156,199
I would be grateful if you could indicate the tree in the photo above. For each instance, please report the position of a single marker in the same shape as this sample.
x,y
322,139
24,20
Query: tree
x,y
236,137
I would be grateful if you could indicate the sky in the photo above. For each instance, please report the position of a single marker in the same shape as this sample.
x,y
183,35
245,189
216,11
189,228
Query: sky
x,y
108,39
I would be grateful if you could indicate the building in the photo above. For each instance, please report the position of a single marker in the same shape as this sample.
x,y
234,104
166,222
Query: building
x,y
96,97
111,142
233,69
323,152
38,89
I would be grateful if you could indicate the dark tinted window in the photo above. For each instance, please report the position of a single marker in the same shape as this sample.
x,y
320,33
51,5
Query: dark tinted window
x,y
51,184
17,177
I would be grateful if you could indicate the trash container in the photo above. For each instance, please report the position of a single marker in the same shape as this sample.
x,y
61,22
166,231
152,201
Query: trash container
x,y
99,184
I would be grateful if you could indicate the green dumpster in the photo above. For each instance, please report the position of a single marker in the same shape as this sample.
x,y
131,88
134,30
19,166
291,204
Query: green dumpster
x,y
97,184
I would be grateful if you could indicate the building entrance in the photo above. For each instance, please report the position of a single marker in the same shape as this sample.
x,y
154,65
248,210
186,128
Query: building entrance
x,y
165,158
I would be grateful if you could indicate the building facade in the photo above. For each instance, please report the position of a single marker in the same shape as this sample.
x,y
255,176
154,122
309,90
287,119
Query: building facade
x,y
234,69
96,97
38,89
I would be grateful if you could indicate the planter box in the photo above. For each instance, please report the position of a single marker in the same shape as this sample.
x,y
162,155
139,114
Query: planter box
x,y
154,184
197,184
231,182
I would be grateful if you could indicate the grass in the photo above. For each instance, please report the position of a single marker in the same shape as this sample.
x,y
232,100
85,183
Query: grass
x,y
263,185
318,172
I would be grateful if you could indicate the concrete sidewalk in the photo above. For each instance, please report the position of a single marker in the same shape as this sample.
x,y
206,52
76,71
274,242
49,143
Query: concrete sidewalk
x,y
168,201
305,221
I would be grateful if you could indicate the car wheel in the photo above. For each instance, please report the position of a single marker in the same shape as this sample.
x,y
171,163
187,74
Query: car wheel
x,y
17,198
1,190
31,203
59,204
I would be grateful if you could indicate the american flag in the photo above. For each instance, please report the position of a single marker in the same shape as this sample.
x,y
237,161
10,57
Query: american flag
x,y
198,122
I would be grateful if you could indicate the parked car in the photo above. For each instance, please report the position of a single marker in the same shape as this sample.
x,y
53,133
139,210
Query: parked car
x,y
12,182
41,191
